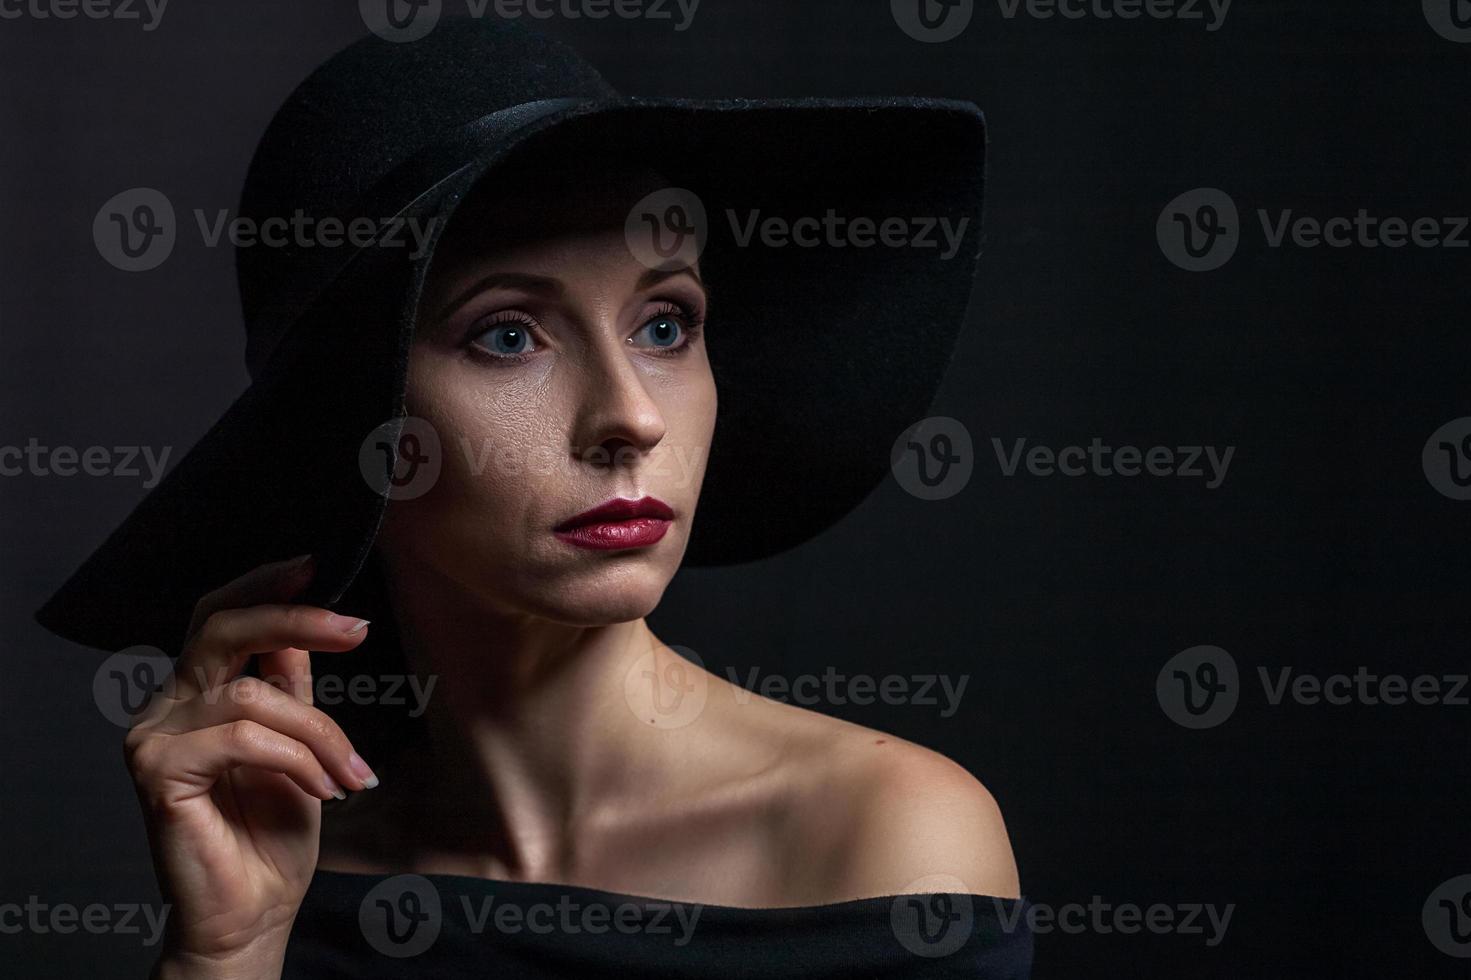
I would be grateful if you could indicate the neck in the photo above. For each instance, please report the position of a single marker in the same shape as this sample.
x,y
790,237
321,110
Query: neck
x,y
533,726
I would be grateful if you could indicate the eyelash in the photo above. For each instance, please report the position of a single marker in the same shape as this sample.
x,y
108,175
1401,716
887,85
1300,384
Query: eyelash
x,y
691,321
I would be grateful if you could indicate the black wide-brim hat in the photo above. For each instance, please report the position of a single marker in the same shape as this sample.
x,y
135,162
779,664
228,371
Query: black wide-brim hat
x,y
823,354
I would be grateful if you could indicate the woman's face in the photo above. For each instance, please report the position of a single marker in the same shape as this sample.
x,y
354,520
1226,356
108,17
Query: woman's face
x,y
558,375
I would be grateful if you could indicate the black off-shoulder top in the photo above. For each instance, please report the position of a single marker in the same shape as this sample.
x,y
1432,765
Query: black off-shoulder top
x,y
447,927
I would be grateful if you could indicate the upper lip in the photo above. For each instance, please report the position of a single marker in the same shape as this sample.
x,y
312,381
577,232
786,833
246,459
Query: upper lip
x,y
619,509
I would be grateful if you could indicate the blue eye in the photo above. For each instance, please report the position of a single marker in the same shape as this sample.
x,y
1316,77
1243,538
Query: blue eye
x,y
663,331
508,339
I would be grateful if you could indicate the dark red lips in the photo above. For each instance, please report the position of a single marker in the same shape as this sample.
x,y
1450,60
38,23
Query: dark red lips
x,y
618,524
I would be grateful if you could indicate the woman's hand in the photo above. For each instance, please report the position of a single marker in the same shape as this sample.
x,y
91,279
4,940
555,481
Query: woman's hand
x,y
231,772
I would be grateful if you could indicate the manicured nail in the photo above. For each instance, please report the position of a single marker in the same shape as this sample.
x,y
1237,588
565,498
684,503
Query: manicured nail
x,y
335,790
347,624
362,771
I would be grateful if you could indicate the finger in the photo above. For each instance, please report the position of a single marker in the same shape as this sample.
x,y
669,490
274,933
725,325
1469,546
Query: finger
x,y
183,766
255,700
277,581
288,670
218,651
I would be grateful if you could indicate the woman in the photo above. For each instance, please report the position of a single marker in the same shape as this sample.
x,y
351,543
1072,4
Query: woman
x,y
550,384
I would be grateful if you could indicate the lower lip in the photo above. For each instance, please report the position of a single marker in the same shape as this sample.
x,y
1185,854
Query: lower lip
x,y
639,532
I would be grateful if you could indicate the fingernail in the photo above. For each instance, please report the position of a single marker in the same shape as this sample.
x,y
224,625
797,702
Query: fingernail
x,y
336,791
362,771
347,624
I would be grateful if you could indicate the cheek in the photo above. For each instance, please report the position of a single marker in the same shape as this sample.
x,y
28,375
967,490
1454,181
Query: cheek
x,y
689,404
500,438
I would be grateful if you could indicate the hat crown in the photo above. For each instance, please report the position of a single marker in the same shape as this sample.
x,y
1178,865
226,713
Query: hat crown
x,y
367,110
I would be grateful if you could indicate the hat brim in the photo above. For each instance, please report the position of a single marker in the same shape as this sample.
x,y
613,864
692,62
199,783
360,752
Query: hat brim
x,y
822,355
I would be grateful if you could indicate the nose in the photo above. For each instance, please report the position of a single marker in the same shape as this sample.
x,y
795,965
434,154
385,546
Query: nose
x,y
618,421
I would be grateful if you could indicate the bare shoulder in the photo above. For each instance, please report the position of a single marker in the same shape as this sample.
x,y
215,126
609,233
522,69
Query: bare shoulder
x,y
871,814
917,817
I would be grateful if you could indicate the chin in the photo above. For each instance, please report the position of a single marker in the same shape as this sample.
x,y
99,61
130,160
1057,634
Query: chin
x,y
617,591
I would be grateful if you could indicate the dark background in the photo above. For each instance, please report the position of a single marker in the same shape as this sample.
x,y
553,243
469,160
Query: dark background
x,y
1326,549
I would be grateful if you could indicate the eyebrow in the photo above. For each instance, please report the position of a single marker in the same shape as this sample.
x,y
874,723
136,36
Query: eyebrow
x,y
550,287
